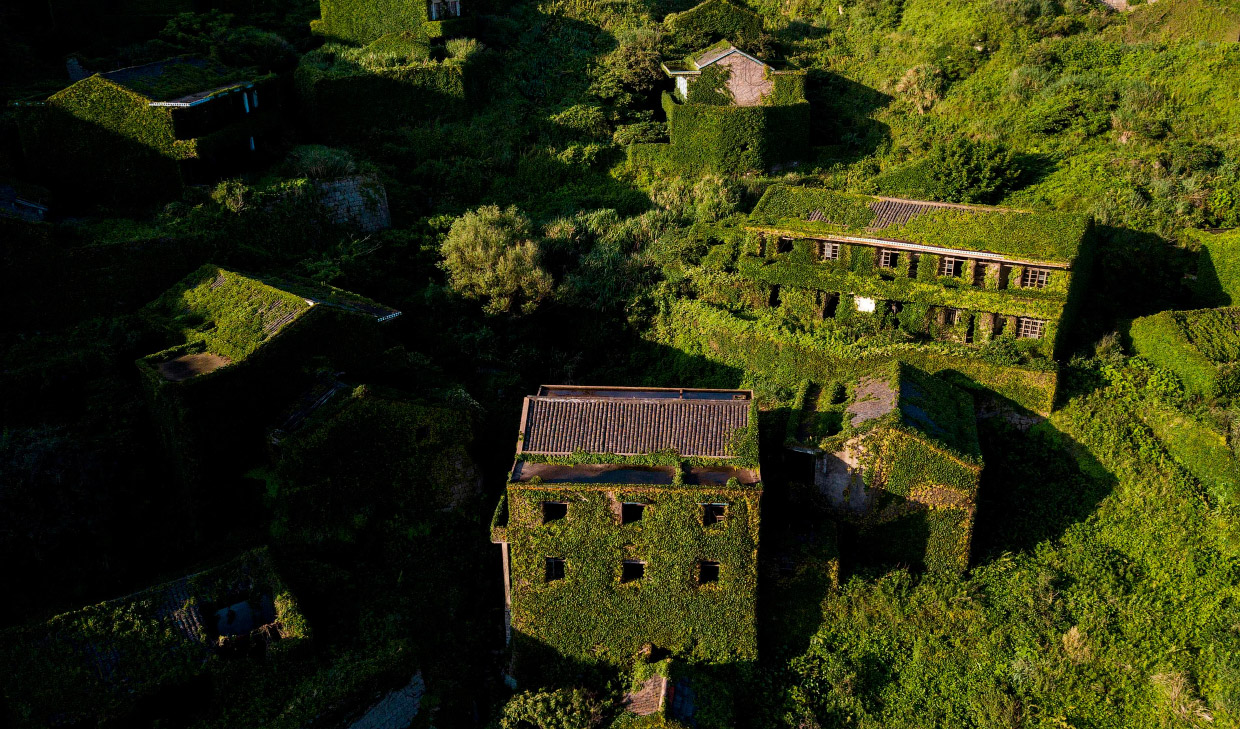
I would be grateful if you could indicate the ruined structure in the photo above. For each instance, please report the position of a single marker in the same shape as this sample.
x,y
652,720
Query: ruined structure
x,y
902,463
238,355
140,133
730,113
138,659
630,519
963,273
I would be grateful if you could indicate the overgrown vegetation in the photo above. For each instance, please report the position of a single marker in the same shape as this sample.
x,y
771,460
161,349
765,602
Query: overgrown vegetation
x,y
542,233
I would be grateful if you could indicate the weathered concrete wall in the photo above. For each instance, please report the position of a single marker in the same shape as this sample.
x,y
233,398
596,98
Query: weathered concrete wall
x,y
360,202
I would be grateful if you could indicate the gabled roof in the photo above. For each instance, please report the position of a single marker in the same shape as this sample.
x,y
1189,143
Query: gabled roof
x,y
1052,239
918,403
693,64
634,421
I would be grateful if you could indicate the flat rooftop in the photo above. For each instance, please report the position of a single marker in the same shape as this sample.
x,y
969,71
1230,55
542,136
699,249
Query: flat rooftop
x,y
563,419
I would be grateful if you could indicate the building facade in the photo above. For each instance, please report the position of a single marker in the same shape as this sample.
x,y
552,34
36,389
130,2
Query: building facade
x,y
962,273
630,521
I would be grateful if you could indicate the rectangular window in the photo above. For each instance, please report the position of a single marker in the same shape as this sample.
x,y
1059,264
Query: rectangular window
x,y
708,572
1035,278
632,570
553,511
1029,328
630,513
713,513
555,569
951,317
888,259
949,266
830,251
784,245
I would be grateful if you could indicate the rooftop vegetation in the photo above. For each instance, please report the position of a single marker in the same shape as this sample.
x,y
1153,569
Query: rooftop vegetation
x,y
1040,237
226,313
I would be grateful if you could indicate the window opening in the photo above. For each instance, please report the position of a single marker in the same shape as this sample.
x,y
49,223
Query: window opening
x,y
1035,278
713,513
830,251
630,513
888,259
979,274
553,511
1029,328
784,245
632,570
708,572
949,266
555,569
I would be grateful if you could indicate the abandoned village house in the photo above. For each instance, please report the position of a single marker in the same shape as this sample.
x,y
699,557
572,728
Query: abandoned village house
x,y
630,519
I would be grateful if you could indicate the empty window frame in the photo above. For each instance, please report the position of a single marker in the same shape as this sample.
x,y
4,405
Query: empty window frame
x,y
783,245
1035,278
979,273
951,317
555,569
1030,328
631,512
553,511
829,251
713,513
888,259
708,572
949,266
632,570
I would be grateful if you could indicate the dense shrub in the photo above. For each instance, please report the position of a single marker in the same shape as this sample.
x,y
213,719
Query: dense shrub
x,y
490,255
557,709
972,172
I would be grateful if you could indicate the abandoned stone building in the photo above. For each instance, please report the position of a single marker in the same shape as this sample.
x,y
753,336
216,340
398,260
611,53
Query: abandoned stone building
x,y
630,519
137,660
143,132
238,352
900,461
748,80
964,273
730,112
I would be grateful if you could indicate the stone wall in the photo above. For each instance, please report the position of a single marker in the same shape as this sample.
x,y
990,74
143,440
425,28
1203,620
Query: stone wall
x,y
360,202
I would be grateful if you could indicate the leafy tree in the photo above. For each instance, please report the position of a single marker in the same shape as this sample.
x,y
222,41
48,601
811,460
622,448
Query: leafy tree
x,y
490,256
973,172
559,709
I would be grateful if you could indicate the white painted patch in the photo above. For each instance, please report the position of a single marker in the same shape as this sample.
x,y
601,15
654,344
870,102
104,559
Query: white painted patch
x,y
682,86
865,304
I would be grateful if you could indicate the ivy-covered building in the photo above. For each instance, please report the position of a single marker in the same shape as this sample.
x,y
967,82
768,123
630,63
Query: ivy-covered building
x,y
902,463
396,79
241,348
140,133
963,273
157,655
729,113
364,21
630,519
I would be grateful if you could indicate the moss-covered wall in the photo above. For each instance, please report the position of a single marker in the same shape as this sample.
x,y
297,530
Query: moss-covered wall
x,y
1202,347
701,329
726,139
590,615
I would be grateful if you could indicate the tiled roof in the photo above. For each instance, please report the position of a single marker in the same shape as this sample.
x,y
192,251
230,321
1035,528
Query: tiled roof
x,y
634,425
890,211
